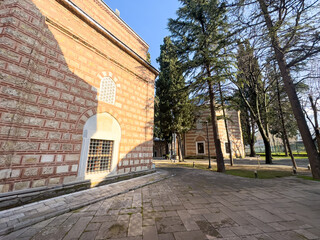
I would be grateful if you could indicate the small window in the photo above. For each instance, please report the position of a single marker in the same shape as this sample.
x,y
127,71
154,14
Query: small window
x,y
100,156
227,147
200,147
107,90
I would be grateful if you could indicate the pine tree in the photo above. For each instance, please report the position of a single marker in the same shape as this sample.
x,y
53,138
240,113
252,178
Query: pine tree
x,y
199,32
248,125
174,109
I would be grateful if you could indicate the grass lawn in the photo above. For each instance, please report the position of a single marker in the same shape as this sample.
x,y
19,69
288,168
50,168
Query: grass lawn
x,y
262,174
309,178
241,171
300,155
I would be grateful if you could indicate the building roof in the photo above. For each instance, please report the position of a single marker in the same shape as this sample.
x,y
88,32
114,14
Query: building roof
x,y
77,10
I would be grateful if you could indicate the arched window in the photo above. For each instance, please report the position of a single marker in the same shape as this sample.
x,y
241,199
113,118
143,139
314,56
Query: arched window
x,y
100,147
107,90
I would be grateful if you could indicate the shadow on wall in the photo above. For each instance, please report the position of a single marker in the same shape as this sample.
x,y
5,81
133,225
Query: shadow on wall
x,y
48,87
128,168
44,101
125,169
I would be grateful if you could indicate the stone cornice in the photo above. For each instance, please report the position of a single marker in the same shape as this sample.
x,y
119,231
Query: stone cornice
x,y
103,31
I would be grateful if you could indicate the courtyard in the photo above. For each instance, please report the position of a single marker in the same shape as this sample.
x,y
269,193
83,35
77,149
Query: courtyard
x,y
192,204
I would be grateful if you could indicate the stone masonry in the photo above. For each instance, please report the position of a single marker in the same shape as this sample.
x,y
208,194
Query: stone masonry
x,y
52,59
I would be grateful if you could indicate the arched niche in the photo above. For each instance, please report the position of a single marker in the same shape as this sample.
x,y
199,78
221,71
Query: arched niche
x,y
101,127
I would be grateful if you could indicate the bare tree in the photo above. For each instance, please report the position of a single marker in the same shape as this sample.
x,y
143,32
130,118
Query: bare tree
x,y
291,29
312,100
253,89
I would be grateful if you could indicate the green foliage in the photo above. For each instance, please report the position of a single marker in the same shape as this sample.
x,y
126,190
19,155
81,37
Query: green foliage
x,y
249,78
174,110
250,96
200,36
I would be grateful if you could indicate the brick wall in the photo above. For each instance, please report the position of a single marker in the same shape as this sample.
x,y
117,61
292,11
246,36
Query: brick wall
x,y
51,65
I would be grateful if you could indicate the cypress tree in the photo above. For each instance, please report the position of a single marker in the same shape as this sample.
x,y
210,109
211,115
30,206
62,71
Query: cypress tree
x,y
200,34
174,108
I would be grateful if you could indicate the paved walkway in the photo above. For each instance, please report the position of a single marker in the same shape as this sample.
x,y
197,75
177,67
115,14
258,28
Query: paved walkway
x,y
194,204
24,216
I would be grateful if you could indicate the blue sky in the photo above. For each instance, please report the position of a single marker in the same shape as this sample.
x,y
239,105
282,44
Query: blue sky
x,y
148,18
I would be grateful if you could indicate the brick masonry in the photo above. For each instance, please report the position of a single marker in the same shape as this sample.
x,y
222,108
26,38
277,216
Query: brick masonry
x,y
51,64
199,134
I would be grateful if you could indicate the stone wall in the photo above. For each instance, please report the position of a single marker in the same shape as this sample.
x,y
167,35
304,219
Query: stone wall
x,y
51,63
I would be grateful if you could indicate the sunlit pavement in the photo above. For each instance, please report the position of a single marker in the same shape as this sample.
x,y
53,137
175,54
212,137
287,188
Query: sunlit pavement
x,y
194,204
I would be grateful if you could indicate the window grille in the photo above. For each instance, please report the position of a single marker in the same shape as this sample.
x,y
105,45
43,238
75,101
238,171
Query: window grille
x,y
107,90
100,155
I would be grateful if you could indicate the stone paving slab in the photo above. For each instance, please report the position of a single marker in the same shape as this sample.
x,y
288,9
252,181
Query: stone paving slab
x,y
20,217
193,204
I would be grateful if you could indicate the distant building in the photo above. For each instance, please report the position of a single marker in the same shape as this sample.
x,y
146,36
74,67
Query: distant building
x,y
195,140
76,94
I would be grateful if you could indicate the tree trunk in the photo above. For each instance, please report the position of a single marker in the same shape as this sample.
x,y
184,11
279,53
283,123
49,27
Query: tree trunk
x,y
252,151
267,132
226,124
264,131
180,148
284,131
268,151
313,155
250,134
266,142
214,121
263,128
285,149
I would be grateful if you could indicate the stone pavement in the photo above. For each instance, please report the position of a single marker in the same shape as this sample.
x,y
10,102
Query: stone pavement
x,y
20,217
194,204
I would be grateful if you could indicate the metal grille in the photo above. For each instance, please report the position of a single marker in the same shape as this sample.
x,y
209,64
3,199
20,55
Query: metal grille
x,y
100,155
